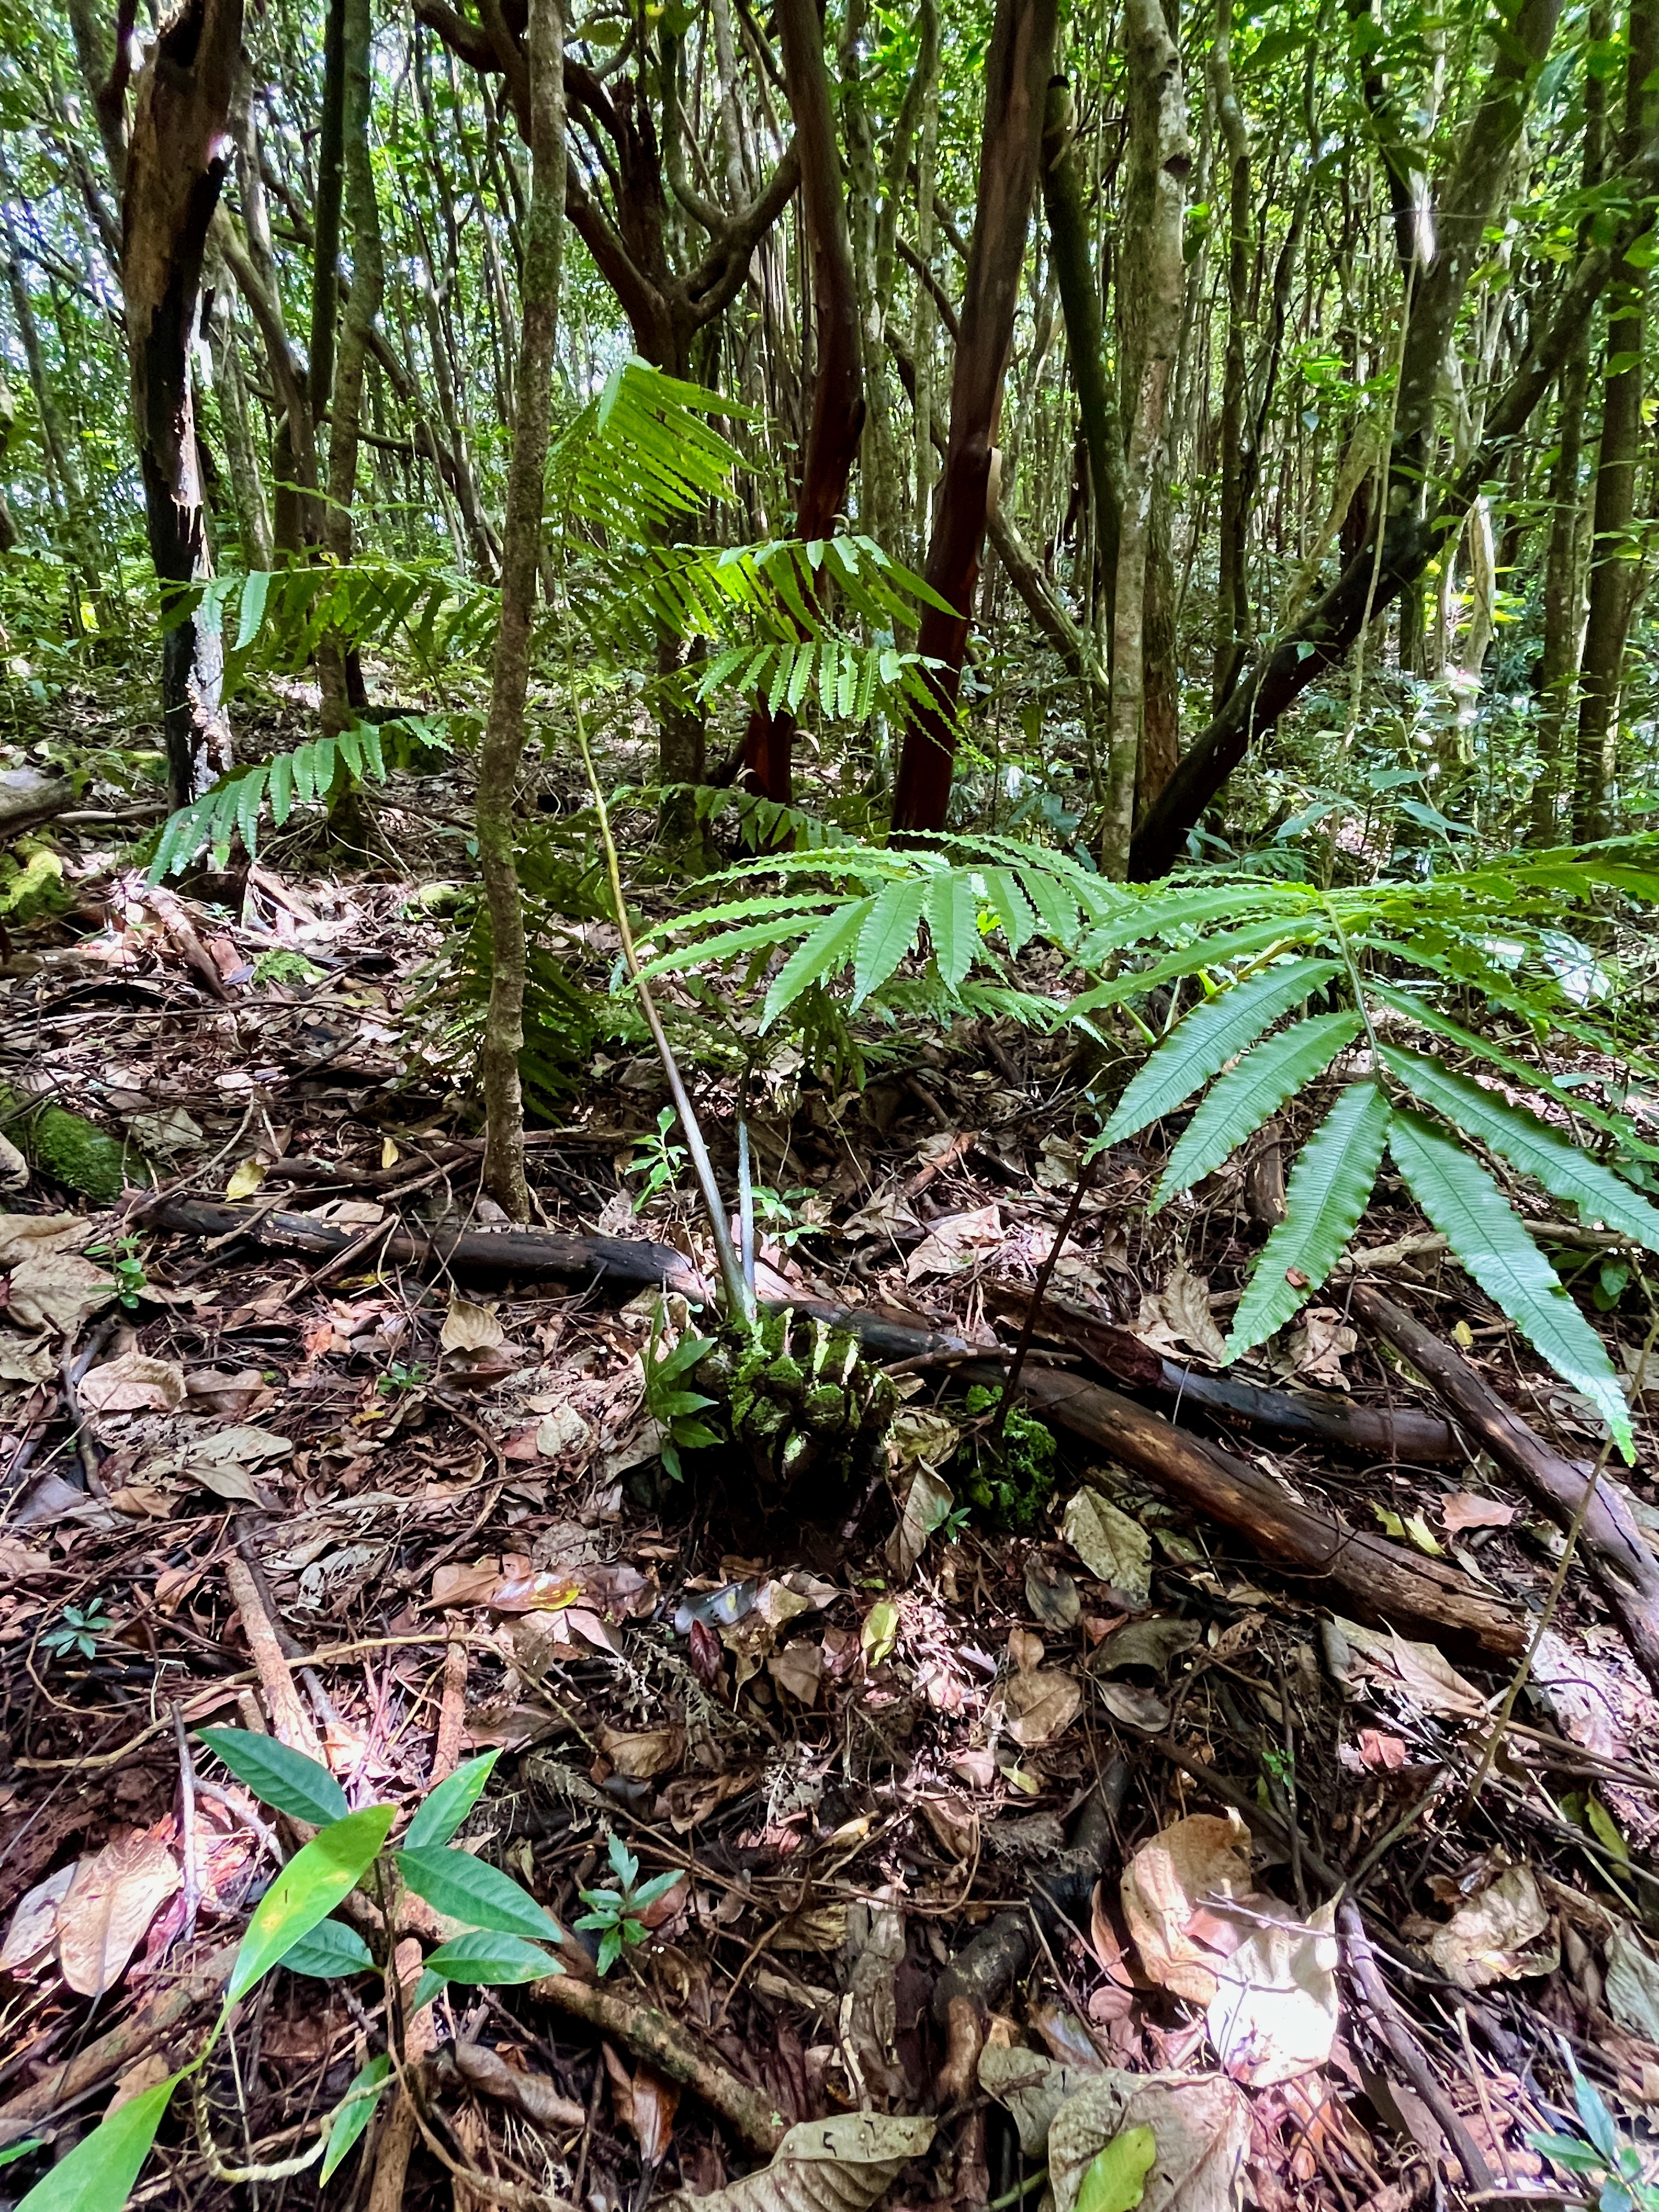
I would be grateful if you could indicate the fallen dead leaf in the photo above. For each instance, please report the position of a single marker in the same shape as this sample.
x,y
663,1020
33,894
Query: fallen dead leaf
x,y
25,1235
1115,1550
843,2163
25,1363
1186,1303
1486,1940
469,1327
57,1289
643,1756
1464,1509
1319,1344
1273,2014
1181,1941
1380,1750
1040,1706
109,1905
646,2104
134,1383
1136,1706
1201,2122
799,1669
958,1243
34,1925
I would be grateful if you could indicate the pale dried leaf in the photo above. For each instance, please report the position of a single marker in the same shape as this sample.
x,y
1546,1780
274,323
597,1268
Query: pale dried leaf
x,y
799,1669
1202,2124
1205,1856
1040,1706
844,2164
1117,1550
469,1327
1632,1983
643,1756
927,1504
954,1244
25,1236
58,1289
1464,1508
1032,2087
108,1908
134,1383
1186,1303
25,1363
1486,1940
1136,1706
34,1925
1151,1644
563,1434
1319,1344
245,1178
1274,2015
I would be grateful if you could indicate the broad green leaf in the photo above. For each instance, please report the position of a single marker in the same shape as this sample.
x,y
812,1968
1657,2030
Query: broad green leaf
x,y
487,1955
256,589
282,788
1328,1188
277,1775
17,2150
98,2174
439,1816
353,2112
1236,1106
1210,1036
1484,1232
1529,1145
1116,2178
307,1890
472,1890
888,931
331,1951
828,949
953,924
1055,906
1155,913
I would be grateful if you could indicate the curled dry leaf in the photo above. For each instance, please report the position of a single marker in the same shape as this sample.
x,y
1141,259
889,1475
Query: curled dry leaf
x,y
58,1290
799,1669
1421,1671
928,1503
1040,1706
1186,1303
842,2165
469,1327
1033,2088
1181,1941
1115,1550
34,1925
1464,1509
25,1236
1632,1983
1151,1644
954,1244
25,1363
134,1383
1274,2015
109,1905
1486,1940
646,2106
1201,2122
1135,1707
642,1757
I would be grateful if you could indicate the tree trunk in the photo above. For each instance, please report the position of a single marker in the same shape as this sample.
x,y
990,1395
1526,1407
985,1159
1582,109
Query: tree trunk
x,y
8,417
1232,602
1615,570
248,483
176,160
1563,593
1162,159
504,733
331,174
837,424
1017,71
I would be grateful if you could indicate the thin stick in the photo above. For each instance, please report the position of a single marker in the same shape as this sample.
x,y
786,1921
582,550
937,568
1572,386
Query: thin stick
x,y
1086,1176
745,1207
192,1878
739,1298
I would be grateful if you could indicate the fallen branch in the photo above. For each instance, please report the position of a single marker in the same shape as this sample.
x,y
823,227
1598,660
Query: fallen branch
x,y
664,2043
1624,1570
60,2087
1381,1581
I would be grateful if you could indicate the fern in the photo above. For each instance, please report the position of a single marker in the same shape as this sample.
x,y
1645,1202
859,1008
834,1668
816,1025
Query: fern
x,y
233,807
1240,1102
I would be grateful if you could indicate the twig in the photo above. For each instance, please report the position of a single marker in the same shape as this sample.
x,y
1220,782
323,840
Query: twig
x,y
288,1715
1086,1176
1390,2024
192,1878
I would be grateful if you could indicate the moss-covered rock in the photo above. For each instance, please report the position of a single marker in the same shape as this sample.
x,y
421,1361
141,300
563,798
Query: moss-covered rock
x,y
69,1149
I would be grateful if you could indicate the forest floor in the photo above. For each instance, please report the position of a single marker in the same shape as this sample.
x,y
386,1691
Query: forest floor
x,y
1115,1806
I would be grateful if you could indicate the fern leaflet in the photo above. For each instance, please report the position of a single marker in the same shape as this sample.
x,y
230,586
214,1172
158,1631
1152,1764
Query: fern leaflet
x,y
1235,1107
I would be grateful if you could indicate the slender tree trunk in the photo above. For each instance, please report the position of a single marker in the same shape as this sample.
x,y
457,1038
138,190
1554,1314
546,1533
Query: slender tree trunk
x,y
176,160
1232,604
504,733
1018,69
248,482
342,682
330,176
8,418
1615,571
81,542
1162,160
837,424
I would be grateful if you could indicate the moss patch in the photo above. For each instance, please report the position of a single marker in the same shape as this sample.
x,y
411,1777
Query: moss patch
x,y
1012,1485
69,1149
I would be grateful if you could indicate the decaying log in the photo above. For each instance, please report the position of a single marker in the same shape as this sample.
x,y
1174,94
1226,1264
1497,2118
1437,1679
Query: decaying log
x,y
28,797
627,1264
1369,1431
1378,1581
1626,1572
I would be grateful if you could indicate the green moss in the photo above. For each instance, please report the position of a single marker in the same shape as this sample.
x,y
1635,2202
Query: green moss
x,y
69,1149
1012,1486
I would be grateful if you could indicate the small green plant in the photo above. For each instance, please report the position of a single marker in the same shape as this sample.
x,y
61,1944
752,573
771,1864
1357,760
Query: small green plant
x,y
126,1264
280,966
661,1163
616,1912
1614,2169
786,1216
502,1939
1011,1482
78,1629
670,1404
400,1379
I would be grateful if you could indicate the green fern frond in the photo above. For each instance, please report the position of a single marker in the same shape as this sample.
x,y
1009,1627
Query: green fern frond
x,y
1235,1107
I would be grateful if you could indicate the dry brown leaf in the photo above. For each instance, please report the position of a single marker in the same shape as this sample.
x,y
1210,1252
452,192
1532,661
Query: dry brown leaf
x,y
928,1503
34,1925
134,1383
956,1243
1115,1550
1165,1885
872,1955
844,2164
643,1756
1136,1706
1319,1346
1486,1940
1202,2124
799,1669
23,1236
25,1363
57,1289
16,1559
1464,1508
109,1905
1026,1650
1381,1750
1040,1706
469,1327
1186,1303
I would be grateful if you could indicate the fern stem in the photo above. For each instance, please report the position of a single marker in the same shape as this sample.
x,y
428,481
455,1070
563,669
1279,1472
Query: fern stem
x,y
1085,1175
740,1298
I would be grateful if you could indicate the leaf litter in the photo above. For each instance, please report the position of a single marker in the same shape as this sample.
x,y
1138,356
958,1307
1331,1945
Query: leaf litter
x,y
850,1741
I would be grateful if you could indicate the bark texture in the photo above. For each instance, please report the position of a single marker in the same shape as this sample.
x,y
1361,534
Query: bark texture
x,y
176,160
504,733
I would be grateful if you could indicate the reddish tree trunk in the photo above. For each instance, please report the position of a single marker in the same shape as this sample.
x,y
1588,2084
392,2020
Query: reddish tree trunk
x,y
832,441
176,160
1016,73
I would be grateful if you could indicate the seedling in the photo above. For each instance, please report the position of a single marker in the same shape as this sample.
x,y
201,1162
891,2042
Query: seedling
x,y
400,1379
661,1163
78,1630
1614,2169
673,1407
616,1912
124,1261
